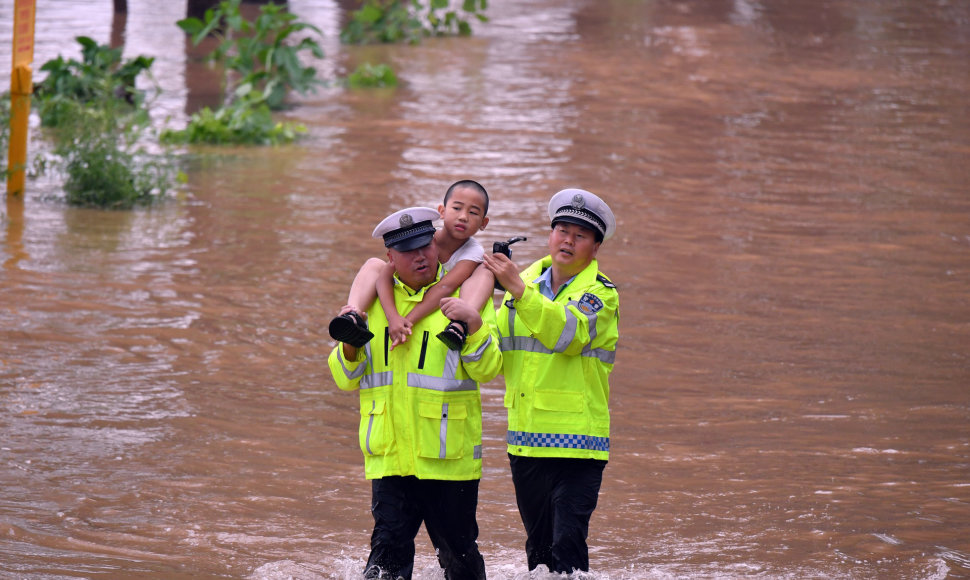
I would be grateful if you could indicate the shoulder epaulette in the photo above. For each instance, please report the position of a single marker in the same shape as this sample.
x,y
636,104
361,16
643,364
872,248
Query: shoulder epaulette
x,y
605,281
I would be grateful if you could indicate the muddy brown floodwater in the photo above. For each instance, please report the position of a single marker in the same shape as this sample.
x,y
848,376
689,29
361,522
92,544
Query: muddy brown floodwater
x,y
791,396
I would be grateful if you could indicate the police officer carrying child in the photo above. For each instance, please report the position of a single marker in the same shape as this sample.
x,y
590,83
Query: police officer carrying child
x,y
558,328
421,412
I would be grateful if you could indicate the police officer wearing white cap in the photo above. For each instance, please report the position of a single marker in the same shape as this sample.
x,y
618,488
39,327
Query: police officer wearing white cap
x,y
421,411
558,329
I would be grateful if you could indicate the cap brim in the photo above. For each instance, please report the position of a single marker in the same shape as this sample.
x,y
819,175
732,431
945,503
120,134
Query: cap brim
x,y
413,243
578,221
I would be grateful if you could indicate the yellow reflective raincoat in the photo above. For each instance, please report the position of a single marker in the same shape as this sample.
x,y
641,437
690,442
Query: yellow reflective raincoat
x,y
420,404
557,358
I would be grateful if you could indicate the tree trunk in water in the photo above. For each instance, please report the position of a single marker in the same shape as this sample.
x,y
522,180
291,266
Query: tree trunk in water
x,y
119,22
197,8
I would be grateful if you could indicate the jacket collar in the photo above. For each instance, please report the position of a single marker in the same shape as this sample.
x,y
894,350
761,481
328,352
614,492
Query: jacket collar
x,y
418,294
584,278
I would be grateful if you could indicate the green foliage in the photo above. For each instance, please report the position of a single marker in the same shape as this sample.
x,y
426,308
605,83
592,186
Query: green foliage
x,y
241,122
445,20
98,122
371,75
102,152
258,53
382,21
391,21
262,64
100,76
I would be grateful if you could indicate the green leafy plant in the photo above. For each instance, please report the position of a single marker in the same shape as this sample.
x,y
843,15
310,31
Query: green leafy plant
x,y
101,130
372,75
106,158
261,53
261,64
391,21
382,21
239,123
443,19
99,76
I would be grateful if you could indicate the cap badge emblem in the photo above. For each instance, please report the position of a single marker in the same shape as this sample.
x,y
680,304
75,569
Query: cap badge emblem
x,y
578,202
406,220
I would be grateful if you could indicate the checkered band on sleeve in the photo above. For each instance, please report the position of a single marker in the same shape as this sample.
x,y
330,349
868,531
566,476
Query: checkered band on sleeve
x,y
559,440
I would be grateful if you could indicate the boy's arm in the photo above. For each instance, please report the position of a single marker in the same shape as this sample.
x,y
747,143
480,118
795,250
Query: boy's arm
x,y
385,289
398,328
443,289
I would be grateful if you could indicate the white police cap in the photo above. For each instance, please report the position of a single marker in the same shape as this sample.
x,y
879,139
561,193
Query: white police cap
x,y
578,206
407,229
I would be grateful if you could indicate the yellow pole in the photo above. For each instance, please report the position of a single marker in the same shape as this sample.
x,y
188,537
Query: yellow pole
x,y
21,86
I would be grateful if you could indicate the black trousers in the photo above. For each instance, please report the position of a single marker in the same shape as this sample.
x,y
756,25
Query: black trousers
x,y
447,508
556,498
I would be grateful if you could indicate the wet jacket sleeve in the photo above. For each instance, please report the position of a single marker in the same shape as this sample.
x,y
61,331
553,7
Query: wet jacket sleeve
x,y
481,356
564,328
347,373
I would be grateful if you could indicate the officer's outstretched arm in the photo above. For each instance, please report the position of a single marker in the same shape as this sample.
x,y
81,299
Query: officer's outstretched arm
x,y
481,356
568,328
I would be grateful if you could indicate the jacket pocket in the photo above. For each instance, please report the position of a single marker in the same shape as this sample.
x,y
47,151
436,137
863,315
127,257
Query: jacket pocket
x,y
375,428
563,401
441,430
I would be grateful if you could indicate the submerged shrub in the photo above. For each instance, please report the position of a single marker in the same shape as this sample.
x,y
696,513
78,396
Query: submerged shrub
x,y
261,64
392,21
98,77
382,21
259,53
243,122
371,75
99,125
104,161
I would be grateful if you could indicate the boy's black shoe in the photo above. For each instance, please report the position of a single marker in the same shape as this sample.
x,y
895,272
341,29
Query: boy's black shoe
x,y
350,328
454,334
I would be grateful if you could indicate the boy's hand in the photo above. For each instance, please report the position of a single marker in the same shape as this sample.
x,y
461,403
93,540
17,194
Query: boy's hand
x,y
350,308
398,329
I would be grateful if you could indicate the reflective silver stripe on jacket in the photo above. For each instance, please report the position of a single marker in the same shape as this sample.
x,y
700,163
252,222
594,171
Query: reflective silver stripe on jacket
x,y
450,369
351,375
370,425
529,344
477,355
384,379
568,331
443,433
447,382
440,383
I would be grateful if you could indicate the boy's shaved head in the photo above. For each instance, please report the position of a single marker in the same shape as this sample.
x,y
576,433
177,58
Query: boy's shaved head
x,y
470,184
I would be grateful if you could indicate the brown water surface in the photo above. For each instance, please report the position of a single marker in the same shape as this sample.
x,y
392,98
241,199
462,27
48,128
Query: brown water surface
x,y
791,397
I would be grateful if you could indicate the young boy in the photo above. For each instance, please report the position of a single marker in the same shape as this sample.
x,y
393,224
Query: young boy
x,y
464,214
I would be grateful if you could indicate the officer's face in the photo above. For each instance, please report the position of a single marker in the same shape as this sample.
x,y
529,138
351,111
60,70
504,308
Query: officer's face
x,y
572,247
416,268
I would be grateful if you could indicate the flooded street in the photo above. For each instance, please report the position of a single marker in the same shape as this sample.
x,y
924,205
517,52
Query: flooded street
x,y
791,397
